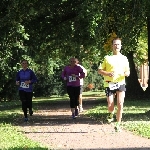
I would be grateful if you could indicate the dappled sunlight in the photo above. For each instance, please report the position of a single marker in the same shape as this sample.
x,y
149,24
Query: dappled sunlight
x,y
53,126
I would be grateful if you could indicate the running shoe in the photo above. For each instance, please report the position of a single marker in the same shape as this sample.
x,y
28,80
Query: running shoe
x,y
25,119
73,116
117,127
110,117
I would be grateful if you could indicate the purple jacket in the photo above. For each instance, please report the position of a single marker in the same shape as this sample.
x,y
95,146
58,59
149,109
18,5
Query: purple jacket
x,y
73,75
23,76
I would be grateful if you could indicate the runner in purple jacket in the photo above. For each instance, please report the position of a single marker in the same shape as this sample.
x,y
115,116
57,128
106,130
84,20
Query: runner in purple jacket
x,y
72,74
24,79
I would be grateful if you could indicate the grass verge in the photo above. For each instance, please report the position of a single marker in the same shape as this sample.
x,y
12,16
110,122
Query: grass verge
x,y
135,119
136,116
12,139
11,136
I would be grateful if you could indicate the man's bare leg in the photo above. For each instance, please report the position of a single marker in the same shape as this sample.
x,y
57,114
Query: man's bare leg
x,y
120,102
110,101
111,108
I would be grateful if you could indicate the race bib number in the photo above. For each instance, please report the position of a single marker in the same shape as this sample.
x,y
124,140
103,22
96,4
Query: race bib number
x,y
113,86
71,78
23,85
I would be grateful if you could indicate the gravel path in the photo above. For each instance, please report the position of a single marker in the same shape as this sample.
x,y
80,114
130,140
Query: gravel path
x,y
52,126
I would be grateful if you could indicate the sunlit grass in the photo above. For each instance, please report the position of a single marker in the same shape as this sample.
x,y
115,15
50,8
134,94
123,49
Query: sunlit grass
x,y
93,93
135,116
135,119
52,98
10,136
12,139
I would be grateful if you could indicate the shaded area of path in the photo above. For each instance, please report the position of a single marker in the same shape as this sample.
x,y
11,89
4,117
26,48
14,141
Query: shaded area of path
x,y
53,126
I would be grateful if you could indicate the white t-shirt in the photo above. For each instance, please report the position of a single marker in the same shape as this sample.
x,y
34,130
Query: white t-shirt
x,y
85,71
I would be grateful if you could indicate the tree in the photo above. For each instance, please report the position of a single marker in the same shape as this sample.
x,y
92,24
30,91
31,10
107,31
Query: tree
x,y
47,32
148,28
126,18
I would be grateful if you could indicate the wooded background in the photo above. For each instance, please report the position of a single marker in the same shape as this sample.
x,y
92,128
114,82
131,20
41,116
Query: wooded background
x,y
47,33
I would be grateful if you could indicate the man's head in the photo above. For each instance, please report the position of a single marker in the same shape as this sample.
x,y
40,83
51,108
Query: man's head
x,y
116,44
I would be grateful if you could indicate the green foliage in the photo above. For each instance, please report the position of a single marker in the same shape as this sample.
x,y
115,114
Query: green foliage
x,y
49,85
141,54
93,78
48,33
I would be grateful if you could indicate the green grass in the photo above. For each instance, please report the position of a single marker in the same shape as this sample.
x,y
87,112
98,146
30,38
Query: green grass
x,y
135,119
93,93
11,136
12,139
136,115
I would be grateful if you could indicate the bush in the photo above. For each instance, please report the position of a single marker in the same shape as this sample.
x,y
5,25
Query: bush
x,y
49,85
93,81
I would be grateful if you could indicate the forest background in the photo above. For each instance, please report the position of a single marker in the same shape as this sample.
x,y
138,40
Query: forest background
x,y
47,33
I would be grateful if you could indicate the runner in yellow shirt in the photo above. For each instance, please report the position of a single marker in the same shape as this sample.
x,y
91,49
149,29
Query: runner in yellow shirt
x,y
114,69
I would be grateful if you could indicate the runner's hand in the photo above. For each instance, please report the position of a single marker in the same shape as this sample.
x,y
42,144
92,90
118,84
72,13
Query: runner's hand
x,y
17,82
126,73
27,82
111,74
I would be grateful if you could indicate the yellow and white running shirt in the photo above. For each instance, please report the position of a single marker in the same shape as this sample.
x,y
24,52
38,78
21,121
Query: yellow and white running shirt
x,y
117,64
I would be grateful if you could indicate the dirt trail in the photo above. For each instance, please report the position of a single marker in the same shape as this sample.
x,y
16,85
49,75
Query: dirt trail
x,y
53,126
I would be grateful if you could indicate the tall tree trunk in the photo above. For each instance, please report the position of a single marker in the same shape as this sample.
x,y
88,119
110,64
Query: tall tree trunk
x,y
134,89
147,92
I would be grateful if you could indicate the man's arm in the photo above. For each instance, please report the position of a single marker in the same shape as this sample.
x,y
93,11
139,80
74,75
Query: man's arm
x,y
105,73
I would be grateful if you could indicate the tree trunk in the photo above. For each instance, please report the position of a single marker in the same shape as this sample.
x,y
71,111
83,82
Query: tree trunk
x,y
147,92
134,89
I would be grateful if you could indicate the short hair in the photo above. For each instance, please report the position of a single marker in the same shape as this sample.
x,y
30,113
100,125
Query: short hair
x,y
25,60
117,38
74,58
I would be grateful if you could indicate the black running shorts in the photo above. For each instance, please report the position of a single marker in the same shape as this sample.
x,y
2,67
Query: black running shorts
x,y
111,92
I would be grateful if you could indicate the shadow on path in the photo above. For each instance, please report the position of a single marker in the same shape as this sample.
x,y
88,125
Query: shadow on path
x,y
53,126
